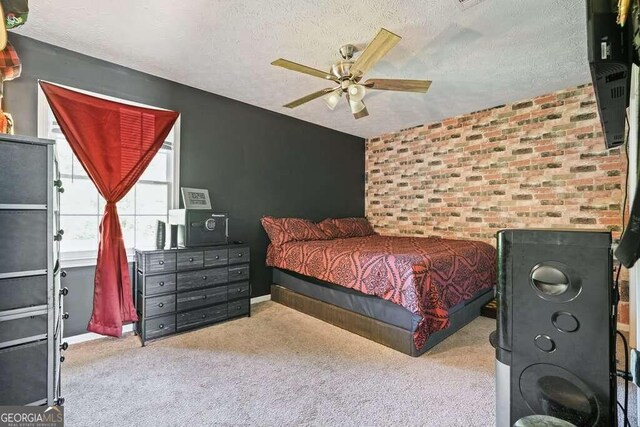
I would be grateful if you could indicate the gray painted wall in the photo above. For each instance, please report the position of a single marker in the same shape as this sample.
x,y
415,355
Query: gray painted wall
x,y
253,161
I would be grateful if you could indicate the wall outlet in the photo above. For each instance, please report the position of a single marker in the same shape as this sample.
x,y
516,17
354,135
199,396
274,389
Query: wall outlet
x,y
634,366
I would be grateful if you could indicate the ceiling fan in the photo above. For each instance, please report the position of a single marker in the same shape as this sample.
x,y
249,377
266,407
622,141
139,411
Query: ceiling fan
x,y
347,73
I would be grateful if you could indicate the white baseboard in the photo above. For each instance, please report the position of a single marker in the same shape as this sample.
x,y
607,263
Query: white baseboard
x,y
89,336
262,298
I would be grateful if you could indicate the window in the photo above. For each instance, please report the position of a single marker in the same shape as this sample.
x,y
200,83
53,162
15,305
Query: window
x,y
81,206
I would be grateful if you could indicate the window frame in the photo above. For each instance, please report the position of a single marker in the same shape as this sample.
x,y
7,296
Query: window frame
x,y
89,257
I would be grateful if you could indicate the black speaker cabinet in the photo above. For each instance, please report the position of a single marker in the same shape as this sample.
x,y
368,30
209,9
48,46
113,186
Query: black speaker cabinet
x,y
555,347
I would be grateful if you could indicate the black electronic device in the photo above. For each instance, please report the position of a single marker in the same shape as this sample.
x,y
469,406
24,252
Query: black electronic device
x,y
161,234
628,251
173,238
610,53
200,227
555,344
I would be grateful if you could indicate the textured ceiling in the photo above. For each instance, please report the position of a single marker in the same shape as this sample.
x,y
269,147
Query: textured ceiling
x,y
489,54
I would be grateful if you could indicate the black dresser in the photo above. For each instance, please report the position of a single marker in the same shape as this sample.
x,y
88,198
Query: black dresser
x,y
30,294
181,289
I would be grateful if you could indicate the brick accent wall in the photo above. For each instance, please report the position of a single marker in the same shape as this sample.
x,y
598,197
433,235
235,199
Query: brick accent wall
x,y
535,163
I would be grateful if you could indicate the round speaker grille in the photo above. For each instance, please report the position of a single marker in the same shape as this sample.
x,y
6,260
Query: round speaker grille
x,y
554,391
565,322
555,281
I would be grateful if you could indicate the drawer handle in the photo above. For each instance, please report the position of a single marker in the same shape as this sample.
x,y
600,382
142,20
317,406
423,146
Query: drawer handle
x,y
238,307
217,256
204,277
161,284
240,290
161,326
240,254
204,297
204,316
190,259
239,272
161,262
161,305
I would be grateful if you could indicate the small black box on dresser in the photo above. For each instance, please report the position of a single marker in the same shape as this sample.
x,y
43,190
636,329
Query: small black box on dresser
x,y
183,289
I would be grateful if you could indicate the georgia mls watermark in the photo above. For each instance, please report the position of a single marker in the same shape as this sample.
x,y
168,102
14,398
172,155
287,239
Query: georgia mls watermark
x,y
31,416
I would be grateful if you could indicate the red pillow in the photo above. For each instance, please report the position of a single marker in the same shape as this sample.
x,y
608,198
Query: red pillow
x,y
283,230
340,228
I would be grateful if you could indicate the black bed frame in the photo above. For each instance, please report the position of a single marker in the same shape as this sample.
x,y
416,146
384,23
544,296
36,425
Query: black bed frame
x,y
343,307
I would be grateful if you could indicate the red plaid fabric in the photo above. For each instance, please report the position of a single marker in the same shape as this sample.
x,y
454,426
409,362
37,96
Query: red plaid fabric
x,y
10,65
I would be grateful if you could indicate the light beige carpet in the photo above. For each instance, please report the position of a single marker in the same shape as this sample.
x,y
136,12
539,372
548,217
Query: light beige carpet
x,y
279,367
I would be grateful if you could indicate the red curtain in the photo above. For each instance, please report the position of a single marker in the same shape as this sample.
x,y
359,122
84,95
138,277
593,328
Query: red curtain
x,y
115,143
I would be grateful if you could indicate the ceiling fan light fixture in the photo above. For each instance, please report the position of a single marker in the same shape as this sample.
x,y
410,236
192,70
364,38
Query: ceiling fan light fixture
x,y
356,92
356,106
332,98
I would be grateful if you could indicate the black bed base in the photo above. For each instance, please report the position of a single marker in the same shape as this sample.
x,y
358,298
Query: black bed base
x,y
371,317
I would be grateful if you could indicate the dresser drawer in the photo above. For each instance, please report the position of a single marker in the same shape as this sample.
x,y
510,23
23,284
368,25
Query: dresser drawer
x,y
24,236
216,257
193,299
238,308
238,290
160,326
160,262
159,284
202,316
23,292
239,255
34,327
159,305
190,260
23,370
202,278
239,272
23,173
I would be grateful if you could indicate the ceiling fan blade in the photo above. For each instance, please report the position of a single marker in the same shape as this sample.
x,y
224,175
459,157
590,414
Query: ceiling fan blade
x,y
361,114
421,86
310,97
379,46
294,66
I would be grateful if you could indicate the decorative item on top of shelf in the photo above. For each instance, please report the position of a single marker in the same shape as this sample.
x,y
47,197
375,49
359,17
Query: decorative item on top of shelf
x,y
195,198
161,234
13,13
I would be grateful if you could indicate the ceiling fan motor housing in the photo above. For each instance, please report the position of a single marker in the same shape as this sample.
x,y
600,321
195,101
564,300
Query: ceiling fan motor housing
x,y
342,69
347,51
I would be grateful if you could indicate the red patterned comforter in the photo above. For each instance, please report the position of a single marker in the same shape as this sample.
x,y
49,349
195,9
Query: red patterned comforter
x,y
427,276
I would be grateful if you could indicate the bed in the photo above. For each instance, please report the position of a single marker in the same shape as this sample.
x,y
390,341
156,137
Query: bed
x,y
408,293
